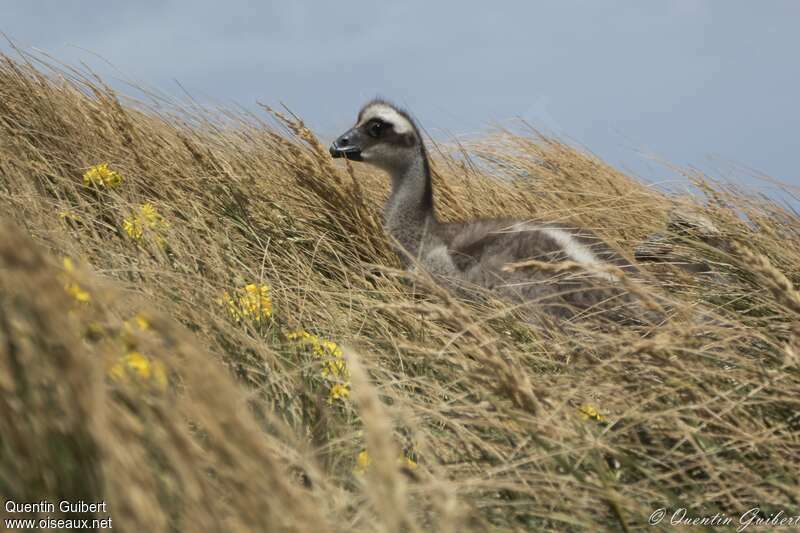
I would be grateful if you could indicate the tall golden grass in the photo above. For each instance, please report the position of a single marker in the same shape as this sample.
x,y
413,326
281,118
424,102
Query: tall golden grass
x,y
471,420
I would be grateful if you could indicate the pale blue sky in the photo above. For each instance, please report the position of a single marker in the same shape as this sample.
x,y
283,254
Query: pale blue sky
x,y
713,84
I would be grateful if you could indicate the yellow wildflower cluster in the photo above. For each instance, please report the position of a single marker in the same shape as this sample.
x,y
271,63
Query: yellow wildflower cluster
x,y
132,327
134,365
71,286
249,302
589,411
75,290
139,321
101,176
334,366
146,220
363,461
340,391
69,215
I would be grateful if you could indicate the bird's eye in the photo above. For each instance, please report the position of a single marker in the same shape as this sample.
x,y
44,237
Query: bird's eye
x,y
375,129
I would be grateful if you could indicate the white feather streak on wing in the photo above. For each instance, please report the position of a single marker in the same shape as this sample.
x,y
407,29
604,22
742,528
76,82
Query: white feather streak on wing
x,y
577,251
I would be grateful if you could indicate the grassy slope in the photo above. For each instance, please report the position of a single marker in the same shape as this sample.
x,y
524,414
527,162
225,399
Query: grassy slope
x,y
244,436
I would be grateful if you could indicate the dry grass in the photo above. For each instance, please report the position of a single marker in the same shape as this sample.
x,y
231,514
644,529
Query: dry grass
x,y
244,436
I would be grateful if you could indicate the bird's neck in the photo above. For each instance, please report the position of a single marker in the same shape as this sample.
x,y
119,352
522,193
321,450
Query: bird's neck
x,y
408,215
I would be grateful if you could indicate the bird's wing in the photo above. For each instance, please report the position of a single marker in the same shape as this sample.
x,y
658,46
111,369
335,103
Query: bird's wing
x,y
497,242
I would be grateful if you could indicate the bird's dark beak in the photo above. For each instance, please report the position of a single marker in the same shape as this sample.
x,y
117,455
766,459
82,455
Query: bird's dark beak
x,y
347,146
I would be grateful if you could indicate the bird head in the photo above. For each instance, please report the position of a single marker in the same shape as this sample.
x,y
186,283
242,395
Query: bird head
x,y
384,136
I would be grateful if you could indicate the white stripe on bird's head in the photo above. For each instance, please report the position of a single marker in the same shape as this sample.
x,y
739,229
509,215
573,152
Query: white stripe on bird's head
x,y
387,114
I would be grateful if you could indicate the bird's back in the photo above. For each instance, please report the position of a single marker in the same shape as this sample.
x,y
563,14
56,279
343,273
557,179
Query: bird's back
x,y
480,250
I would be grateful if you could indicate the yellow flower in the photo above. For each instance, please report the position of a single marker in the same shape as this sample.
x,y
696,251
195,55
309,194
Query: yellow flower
x,y
330,348
137,365
100,175
250,302
130,327
320,347
72,287
334,367
75,290
66,214
408,462
147,219
300,334
363,462
142,322
133,228
589,411
149,214
340,391
139,320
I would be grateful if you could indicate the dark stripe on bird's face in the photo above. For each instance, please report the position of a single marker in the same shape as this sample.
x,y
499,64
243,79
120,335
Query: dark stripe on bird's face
x,y
364,136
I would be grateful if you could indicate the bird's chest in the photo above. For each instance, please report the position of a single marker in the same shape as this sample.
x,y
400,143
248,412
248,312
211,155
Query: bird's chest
x,y
408,233
417,248
437,260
